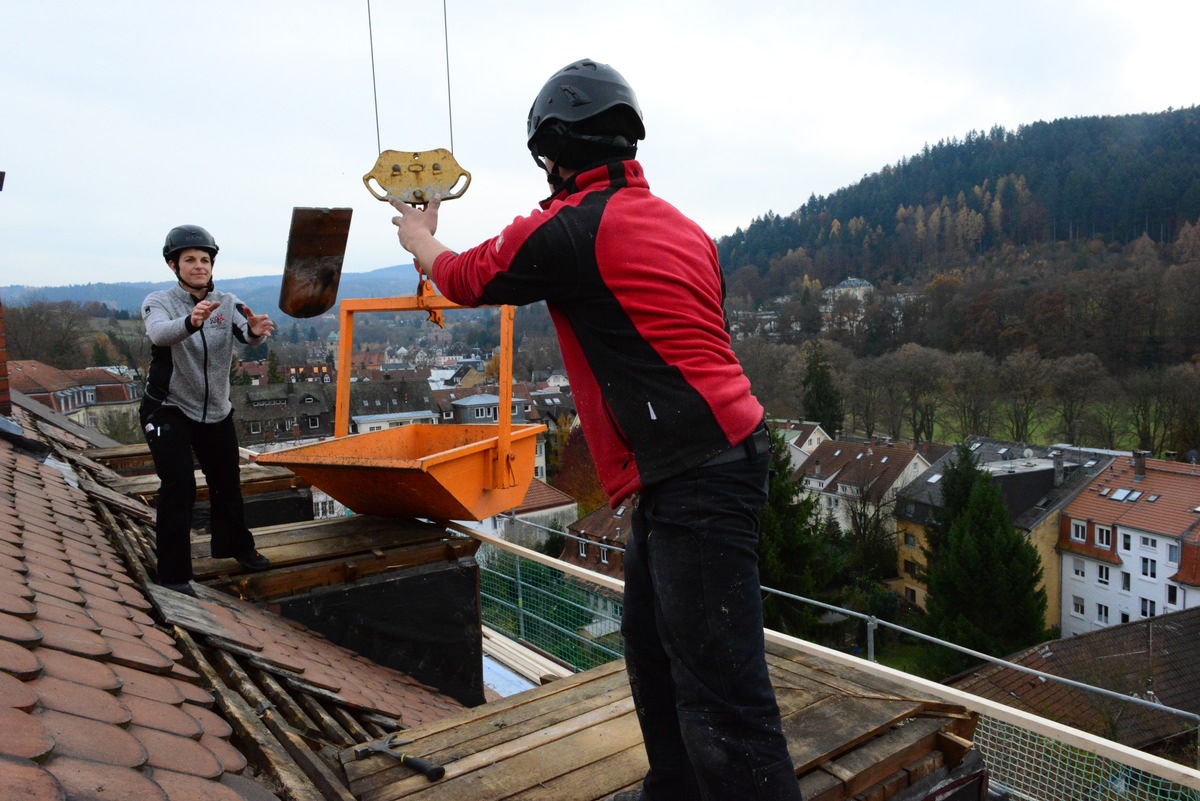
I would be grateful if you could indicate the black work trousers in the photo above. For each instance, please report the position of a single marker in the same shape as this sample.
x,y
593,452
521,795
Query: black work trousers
x,y
173,438
693,632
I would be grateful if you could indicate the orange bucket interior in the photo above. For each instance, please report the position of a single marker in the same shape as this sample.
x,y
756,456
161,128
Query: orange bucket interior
x,y
438,472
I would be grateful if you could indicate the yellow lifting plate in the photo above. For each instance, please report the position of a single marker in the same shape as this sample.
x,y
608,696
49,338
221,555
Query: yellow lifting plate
x,y
416,177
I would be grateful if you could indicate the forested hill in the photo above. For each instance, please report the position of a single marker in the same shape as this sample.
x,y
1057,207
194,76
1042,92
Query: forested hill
x,y
1105,179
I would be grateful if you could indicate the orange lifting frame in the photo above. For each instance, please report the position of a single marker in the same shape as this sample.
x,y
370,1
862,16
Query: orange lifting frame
x,y
436,472
502,477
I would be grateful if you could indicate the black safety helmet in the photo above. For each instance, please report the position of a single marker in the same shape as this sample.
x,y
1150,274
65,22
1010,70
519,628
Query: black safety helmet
x,y
586,111
182,237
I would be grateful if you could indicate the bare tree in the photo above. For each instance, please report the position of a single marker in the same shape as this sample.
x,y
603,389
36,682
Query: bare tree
x,y
864,395
922,371
970,395
1153,398
1023,382
51,333
1072,382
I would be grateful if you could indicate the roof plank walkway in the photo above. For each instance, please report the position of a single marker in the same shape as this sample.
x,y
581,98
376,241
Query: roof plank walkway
x,y
578,738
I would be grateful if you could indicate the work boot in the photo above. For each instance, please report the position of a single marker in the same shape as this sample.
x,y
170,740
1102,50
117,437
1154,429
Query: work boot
x,y
253,561
628,795
186,588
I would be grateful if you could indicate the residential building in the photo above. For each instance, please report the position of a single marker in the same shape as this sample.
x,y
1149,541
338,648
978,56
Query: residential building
x,y
92,397
1130,544
802,438
597,543
847,475
282,414
1035,481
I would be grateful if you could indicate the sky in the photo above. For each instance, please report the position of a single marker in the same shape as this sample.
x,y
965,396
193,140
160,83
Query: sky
x,y
122,119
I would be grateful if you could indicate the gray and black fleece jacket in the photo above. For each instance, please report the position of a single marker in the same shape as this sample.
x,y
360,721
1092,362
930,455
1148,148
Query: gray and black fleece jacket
x,y
189,367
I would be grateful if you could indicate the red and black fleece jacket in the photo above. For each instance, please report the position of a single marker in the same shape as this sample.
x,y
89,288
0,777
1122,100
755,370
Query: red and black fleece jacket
x,y
635,292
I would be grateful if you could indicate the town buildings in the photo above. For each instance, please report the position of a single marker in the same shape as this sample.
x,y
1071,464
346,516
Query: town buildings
x,y
1130,544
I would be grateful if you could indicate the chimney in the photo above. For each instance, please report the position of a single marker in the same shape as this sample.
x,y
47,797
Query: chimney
x,y
5,395
1139,465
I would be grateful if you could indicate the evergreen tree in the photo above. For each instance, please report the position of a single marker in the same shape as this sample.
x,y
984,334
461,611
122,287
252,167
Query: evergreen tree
x,y
273,374
983,590
822,400
793,549
957,480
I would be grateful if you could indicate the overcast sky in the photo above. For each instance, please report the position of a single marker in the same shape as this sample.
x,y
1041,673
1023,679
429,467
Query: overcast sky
x,y
121,119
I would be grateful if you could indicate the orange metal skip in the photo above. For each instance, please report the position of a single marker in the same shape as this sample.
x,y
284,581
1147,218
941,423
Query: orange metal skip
x,y
438,472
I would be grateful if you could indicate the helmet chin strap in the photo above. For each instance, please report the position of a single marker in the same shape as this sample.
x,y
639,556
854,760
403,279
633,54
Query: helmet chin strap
x,y
189,287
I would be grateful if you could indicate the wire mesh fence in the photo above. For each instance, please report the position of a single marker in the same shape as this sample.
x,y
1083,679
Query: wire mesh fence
x,y
568,619
1033,767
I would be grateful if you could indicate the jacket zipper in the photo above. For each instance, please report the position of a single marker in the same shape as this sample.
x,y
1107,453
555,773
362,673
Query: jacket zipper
x,y
204,412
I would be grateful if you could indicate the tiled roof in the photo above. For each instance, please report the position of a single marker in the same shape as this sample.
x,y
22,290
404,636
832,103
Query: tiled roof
x,y
1169,494
1157,654
33,377
541,496
111,687
875,466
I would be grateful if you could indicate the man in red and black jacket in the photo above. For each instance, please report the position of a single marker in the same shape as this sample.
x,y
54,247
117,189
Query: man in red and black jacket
x,y
635,291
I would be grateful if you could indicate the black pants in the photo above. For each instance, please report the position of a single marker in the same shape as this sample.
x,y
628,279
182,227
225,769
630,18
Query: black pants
x,y
173,438
693,632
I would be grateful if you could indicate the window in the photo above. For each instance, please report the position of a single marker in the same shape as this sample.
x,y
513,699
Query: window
x,y
1172,553
1102,614
314,422
1124,581
1102,574
1148,608
1079,532
1077,568
1124,617
1149,568
603,555
1103,537
910,567
582,548
480,412
256,428
1126,542
910,541
1172,595
1149,543
1077,606
910,595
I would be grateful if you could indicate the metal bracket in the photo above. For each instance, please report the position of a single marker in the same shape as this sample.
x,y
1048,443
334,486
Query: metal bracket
x,y
416,177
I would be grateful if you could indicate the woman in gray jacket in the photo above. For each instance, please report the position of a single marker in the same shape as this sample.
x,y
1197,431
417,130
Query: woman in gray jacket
x,y
186,408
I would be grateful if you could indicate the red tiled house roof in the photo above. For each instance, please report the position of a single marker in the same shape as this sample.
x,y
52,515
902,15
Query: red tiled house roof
x,y
1153,658
108,690
874,467
1160,498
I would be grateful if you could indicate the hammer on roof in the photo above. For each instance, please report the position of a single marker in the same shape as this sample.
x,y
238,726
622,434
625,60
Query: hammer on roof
x,y
390,745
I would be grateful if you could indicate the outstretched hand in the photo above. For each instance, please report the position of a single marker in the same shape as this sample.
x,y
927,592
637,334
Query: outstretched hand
x,y
415,228
260,325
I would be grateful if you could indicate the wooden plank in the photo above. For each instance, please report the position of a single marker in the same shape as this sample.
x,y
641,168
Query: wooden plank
x,y
493,730
252,732
330,784
507,769
817,785
288,580
835,725
530,703
597,779
126,504
878,759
